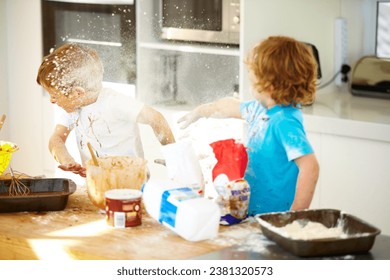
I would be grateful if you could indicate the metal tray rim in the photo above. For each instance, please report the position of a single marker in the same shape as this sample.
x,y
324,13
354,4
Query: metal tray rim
x,y
303,247
37,201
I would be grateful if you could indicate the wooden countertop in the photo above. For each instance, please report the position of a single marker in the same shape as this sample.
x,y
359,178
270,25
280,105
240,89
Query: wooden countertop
x,y
80,232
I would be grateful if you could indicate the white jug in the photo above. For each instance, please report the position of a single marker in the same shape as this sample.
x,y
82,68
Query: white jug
x,y
181,209
183,165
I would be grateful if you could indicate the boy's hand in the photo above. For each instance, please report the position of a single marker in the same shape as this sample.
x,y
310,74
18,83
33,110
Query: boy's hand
x,y
227,107
188,119
74,167
158,123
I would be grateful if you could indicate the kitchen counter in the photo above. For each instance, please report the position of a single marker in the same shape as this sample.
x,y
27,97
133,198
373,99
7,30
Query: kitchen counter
x,y
336,111
80,232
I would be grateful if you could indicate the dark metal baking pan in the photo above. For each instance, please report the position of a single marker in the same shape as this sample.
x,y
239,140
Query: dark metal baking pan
x,y
358,236
47,194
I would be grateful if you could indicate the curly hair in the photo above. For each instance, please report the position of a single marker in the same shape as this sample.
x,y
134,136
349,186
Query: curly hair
x,y
284,67
69,66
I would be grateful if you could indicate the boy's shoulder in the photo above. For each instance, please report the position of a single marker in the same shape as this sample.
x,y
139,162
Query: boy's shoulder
x,y
107,91
110,95
288,116
251,106
117,99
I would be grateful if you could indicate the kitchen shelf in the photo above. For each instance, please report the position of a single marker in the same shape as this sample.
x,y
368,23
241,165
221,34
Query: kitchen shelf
x,y
223,50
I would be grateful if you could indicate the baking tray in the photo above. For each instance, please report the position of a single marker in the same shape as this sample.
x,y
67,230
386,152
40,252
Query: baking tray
x,y
47,194
358,236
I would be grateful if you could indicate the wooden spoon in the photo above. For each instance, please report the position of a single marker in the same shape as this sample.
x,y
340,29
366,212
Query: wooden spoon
x,y
94,158
2,121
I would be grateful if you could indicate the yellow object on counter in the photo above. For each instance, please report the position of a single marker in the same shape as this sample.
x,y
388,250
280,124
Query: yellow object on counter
x,y
6,150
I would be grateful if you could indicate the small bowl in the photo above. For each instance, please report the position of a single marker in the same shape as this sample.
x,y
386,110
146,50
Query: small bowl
x,y
123,207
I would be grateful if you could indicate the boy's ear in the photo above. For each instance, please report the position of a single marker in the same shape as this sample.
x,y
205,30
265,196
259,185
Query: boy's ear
x,y
77,92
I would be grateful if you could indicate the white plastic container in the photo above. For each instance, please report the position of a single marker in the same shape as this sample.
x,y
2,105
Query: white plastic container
x,y
183,165
182,210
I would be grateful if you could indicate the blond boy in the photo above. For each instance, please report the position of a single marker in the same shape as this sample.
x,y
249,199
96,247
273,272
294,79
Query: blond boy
x,y
72,75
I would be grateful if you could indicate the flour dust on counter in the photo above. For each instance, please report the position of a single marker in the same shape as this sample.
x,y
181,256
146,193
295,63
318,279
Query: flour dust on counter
x,y
246,236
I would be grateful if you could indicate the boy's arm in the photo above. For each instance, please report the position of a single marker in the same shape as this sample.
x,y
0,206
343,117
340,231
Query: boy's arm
x,y
227,107
306,183
158,123
60,153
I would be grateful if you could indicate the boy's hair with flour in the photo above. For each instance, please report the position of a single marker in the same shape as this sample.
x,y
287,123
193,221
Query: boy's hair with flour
x,y
284,67
71,66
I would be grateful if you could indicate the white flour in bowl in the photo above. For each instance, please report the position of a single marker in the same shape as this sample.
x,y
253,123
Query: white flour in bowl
x,y
308,230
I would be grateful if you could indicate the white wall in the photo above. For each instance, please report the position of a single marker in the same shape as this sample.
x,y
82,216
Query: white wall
x,y
310,21
23,46
305,20
4,133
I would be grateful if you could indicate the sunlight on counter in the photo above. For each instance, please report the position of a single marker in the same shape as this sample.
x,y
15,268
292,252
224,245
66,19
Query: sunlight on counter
x,y
51,249
56,245
93,228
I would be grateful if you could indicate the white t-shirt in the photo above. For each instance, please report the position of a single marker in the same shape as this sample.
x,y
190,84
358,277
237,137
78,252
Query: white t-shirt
x,y
109,125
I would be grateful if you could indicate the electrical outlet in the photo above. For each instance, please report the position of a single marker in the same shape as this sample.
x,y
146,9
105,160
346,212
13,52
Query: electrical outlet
x,y
340,47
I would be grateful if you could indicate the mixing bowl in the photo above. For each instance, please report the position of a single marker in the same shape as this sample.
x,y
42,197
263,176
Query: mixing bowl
x,y
114,172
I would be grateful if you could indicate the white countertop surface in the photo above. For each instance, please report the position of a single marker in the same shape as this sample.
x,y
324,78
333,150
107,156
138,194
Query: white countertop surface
x,y
336,111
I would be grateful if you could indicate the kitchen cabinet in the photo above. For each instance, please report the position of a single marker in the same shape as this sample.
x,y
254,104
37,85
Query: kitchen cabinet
x,y
352,144
354,177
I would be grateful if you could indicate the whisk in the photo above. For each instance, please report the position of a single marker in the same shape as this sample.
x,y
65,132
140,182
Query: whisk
x,y
17,187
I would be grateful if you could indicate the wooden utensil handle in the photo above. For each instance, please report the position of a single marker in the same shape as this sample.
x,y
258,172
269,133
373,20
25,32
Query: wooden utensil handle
x,y
2,120
94,158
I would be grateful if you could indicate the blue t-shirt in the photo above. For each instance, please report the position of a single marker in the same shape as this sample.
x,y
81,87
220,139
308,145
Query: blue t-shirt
x,y
275,138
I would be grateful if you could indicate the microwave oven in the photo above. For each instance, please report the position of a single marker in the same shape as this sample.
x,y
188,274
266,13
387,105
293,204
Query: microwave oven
x,y
108,26
207,21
